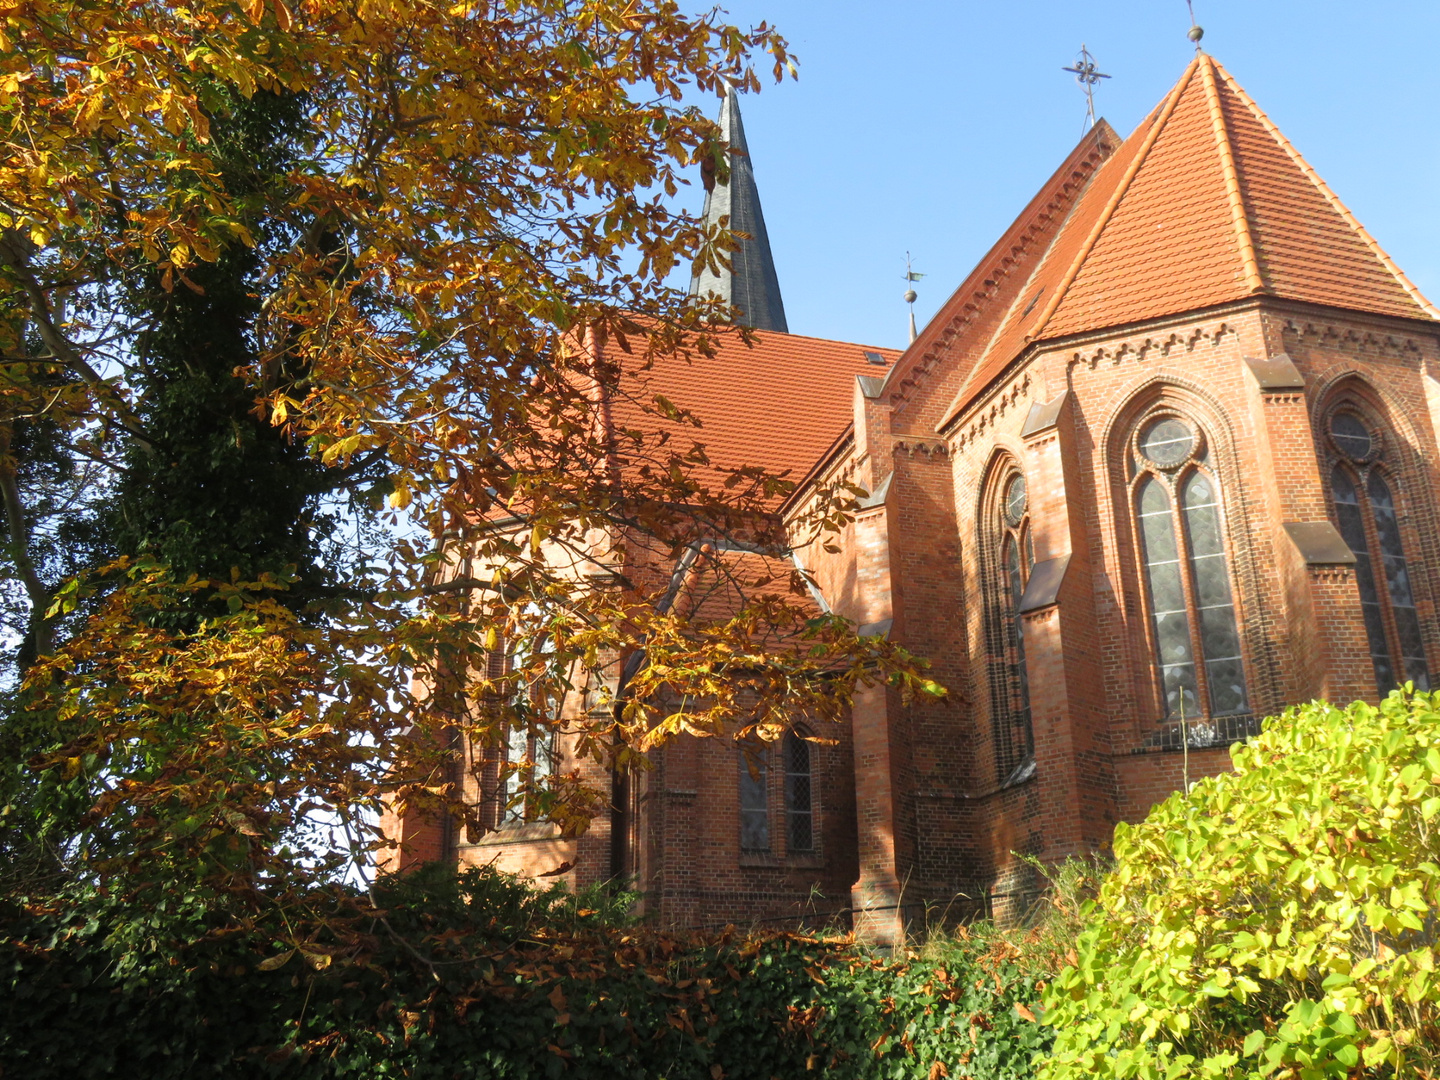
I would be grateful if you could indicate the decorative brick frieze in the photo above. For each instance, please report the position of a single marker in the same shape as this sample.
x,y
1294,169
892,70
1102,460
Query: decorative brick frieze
x,y
1349,337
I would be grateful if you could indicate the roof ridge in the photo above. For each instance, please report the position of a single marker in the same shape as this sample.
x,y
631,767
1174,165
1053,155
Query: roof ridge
x,y
1166,110
1065,196
833,341
1040,266
1035,215
1330,196
1238,215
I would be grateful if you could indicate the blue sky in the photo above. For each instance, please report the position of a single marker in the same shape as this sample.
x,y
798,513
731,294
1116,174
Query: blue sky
x,y
926,126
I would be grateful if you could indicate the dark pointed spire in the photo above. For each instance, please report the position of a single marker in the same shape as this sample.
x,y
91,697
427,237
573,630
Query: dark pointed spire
x,y
750,285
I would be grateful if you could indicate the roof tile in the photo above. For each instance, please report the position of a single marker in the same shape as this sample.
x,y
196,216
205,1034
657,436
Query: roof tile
x,y
778,404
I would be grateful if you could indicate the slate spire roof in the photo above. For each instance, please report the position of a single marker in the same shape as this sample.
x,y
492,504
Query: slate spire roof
x,y
1206,202
750,284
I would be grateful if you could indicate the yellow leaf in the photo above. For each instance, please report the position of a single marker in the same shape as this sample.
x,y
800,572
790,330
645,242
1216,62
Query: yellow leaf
x,y
88,118
276,962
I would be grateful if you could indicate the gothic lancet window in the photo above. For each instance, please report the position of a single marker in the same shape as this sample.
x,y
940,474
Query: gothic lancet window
x,y
1366,514
1005,534
1196,638
526,753
799,807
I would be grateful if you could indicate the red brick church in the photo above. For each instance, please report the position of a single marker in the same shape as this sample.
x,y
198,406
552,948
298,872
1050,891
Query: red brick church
x,y
1165,463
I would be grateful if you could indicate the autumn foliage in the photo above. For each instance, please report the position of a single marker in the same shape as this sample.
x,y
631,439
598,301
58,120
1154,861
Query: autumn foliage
x,y
317,292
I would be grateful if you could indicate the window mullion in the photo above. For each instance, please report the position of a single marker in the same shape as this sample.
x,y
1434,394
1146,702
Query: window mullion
x,y
1192,604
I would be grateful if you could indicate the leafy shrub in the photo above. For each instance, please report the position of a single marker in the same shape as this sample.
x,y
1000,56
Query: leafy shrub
x,y
477,975
1280,921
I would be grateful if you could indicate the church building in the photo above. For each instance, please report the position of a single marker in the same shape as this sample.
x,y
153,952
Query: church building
x,y
1162,465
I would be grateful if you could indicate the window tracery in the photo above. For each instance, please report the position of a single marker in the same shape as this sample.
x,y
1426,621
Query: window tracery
x,y
1006,540
1366,514
1179,519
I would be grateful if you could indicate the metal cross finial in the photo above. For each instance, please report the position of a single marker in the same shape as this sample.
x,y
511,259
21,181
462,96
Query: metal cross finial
x,y
1087,74
910,295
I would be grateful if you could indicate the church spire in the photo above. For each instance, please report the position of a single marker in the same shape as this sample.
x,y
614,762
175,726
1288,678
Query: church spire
x,y
750,285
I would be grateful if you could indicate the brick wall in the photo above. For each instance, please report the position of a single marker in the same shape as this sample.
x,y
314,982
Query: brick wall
x,y
913,810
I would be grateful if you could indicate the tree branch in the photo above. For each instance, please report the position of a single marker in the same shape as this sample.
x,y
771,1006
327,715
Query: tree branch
x,y
15,257
40,628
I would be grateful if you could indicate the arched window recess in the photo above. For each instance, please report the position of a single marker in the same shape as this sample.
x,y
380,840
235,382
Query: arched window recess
x,y
1180,522
1008,556
1362,490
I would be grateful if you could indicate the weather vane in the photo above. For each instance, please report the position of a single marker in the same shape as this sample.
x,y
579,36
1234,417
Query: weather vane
x,y
1196,31
1087,74
910,295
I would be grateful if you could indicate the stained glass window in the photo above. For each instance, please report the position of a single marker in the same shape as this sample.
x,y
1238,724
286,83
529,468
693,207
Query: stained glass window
x,y
1168,609
1199,660
526,752
1397,581
530,751
1365,512
1219,637
1015,500
1167,442
799,813
1352,437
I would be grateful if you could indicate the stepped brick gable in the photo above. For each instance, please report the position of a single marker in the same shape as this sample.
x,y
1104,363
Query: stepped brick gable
x,y
1162,465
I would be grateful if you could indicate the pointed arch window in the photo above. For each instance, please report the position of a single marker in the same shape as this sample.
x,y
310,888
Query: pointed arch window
x,y
1010,551
1195,634
799,797
1366,514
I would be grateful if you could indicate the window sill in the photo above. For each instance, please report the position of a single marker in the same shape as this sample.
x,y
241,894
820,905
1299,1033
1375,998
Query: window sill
x,y
521,833
1021,774
799,861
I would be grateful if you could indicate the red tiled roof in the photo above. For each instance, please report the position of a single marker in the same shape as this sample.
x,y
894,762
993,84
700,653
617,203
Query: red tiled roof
x,y
1205,203
778,405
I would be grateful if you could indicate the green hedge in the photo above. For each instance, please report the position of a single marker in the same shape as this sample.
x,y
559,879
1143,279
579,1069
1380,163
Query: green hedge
x,y
477,977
